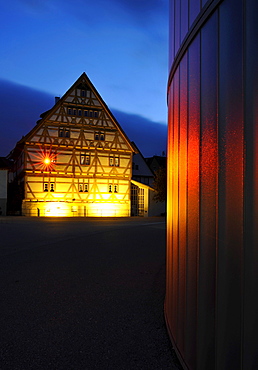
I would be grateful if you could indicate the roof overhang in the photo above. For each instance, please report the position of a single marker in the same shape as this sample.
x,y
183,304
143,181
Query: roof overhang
x,y
141,185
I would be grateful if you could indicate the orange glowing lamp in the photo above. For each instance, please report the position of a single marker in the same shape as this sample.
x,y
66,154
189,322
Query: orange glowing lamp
x,y
47,161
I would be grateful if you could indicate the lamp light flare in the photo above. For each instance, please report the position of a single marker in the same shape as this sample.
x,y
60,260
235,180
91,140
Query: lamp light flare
x,y
47,161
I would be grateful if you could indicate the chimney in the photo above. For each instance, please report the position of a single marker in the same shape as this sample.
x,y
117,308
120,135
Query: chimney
x,y
57,98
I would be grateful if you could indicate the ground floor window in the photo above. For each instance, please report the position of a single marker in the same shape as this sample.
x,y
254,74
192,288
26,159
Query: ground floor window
x,y
113,188
49,186
83,188
137,201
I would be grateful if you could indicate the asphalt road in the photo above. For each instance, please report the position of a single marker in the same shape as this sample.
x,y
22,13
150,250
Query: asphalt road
x,y
83,294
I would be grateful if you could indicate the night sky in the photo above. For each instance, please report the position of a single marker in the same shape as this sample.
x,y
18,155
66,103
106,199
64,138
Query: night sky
x,y
120,44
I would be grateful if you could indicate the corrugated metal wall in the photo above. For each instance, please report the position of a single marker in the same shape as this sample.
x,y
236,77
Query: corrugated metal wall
x,y
211,303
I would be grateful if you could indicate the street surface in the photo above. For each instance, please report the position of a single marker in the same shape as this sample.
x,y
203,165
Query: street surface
x,y
83,293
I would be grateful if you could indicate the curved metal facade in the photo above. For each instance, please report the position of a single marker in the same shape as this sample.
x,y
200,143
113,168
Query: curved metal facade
x,y
211,304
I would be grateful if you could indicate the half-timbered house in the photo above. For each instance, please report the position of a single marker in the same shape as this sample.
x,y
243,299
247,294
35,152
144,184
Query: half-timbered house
x,y
76,161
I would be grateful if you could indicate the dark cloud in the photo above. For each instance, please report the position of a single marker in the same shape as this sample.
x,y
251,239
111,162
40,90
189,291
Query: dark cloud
x,y
150,137
21,107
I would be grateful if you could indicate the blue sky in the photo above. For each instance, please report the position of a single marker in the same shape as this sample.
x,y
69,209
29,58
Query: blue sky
x,y
120,44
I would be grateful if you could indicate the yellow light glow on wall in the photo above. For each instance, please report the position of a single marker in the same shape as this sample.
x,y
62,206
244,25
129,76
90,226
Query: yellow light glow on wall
x,y
70,209
108,210
53,209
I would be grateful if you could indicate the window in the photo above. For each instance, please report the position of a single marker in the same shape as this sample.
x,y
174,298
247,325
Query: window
x,y
83,93
46,186
99,136
83,188
89,113
117,161
63,132
85,159
114,161
112,188
73,111
141,201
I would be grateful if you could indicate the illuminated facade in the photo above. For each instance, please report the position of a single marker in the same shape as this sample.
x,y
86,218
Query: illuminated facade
x,y
212,215
76,161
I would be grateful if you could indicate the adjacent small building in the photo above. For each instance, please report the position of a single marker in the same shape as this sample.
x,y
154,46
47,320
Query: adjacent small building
x,y
156,162
141,171
142,190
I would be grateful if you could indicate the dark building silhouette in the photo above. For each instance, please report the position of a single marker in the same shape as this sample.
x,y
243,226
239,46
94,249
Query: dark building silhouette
x,y
4,167
212,225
